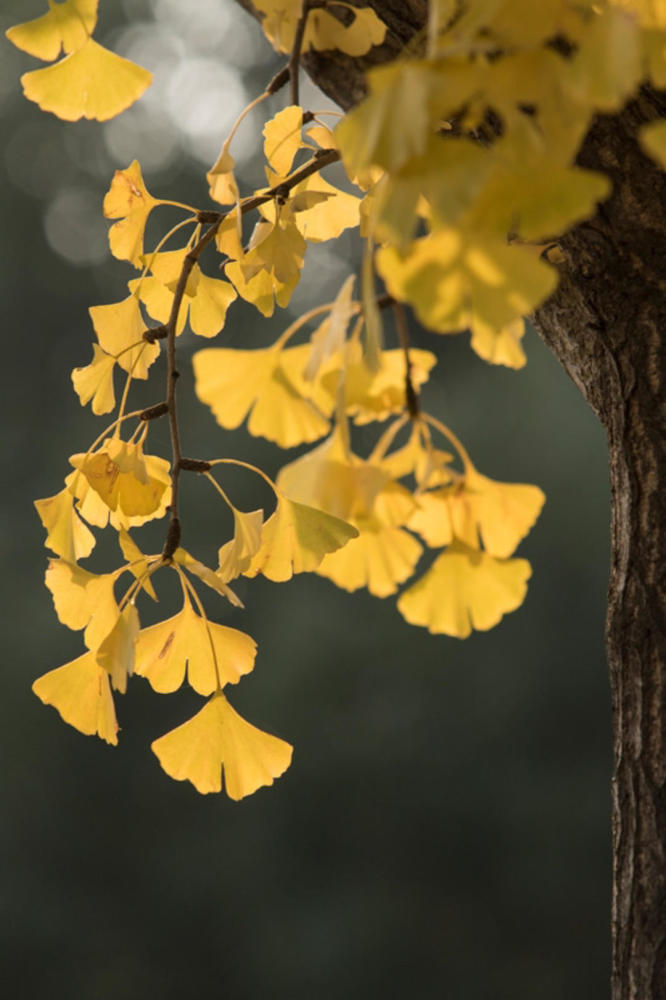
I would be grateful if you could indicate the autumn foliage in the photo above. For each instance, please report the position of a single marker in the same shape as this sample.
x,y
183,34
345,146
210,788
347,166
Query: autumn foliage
x,y
462,175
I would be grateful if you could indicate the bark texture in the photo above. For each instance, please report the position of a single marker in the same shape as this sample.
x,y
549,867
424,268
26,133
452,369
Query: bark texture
x,y
607,326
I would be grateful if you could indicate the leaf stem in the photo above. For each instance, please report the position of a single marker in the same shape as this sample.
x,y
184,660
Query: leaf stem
x,y
457,444
246,465
219,489
188,586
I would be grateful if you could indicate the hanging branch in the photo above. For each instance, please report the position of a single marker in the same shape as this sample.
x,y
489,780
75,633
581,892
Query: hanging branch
x,y
411,395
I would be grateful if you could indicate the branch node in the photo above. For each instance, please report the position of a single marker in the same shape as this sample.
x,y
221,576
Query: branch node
x,y
172,539
154,333
153,412
207,216
194,465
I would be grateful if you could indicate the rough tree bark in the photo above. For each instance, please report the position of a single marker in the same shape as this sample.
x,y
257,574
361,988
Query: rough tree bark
x,y
606,324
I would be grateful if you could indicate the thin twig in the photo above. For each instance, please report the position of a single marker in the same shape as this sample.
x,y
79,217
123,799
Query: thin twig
x,y
318,161
295,57
411,395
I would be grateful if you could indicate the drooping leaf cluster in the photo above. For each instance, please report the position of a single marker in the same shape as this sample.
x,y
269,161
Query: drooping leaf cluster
x,y
462,172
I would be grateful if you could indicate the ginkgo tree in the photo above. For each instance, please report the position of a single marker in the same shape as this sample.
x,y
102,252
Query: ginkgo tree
x,y
484,153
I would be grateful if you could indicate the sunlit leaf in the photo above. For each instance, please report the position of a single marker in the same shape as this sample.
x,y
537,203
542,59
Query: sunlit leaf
x,y
81,693
129,201
236,383
464,589
235,556
218,738
221,180
207,575
95,382
137,563
118,472
295,539
500,513
67,535
116,652
186,644
282,140
500,347
456,280
66,26
119,327
91,82
380,559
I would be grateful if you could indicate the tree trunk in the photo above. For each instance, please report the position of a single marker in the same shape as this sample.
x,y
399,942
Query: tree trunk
x,y
606,324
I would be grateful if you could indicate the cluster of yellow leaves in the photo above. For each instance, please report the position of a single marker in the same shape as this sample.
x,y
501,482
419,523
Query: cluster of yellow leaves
x,y
186,646
267,271
466,160
89,81
477,521
477,143
323,30
217,739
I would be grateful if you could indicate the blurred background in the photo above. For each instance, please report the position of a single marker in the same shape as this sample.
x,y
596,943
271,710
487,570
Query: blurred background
x,y
444,829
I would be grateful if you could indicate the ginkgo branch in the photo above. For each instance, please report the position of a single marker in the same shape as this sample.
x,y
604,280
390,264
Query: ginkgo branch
x,y
295,57
411,395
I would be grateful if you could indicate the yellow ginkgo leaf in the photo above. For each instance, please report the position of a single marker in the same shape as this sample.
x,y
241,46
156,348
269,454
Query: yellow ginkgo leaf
x,y
428,465
221,180
118,472
277,253
82,599
207,299
119,327
323,136
229,235
392,124
67,535
91,82
376,395
188,644
333,480
379,559
331,212
216,738
606,68
208,308
65,26
324,31
295,539
432,518
280,413
500,347
137,563
329,337
260,384
282,140
158,299
129,201
95,382
116,652
80,692
455,280
96,511
206,575
464,589
501,513
234,557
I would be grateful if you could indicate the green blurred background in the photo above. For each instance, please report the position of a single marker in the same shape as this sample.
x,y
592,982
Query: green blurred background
x,y
443,831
